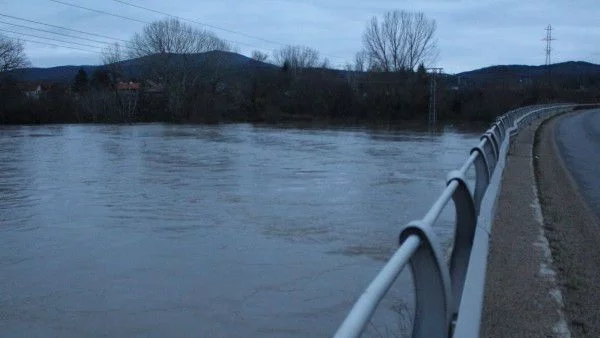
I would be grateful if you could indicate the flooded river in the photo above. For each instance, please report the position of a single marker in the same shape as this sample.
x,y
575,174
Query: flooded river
x,y
209,231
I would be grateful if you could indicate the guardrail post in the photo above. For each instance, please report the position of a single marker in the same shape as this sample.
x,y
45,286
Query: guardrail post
x,y
432,283
495,144
466,222
482,176
492,153
502,128
496,132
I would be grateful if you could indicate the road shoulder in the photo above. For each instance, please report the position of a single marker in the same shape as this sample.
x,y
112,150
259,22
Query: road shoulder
x,y
521,296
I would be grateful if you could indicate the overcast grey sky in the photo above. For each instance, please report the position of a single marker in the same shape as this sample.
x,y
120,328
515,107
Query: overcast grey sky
x,y
471,33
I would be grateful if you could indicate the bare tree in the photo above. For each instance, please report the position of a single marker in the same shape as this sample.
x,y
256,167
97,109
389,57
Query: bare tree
x,y
171,36
360,60
122,105
297,57
402,40
12,54
112,58
113,54
172,43
260,56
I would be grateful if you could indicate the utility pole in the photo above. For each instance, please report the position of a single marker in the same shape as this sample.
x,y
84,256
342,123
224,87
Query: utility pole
x,y
432,90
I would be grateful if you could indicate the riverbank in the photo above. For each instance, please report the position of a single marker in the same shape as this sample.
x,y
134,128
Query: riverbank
x,y
408,125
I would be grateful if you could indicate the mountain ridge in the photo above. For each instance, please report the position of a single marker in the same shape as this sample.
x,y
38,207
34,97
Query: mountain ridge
x,y
560,69
230,60
132,68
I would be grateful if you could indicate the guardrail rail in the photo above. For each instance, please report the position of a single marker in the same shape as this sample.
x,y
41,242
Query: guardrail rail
x,y
449,296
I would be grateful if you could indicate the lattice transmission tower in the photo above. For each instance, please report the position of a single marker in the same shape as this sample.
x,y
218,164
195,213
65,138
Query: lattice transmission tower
x,y
548,40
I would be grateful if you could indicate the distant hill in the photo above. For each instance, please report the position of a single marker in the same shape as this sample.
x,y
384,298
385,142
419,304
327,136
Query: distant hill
x,y
242,65
61,74
134,67
569,69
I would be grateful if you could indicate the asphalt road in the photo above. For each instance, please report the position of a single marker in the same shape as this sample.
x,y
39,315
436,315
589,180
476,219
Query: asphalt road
x,y
567,164
578,140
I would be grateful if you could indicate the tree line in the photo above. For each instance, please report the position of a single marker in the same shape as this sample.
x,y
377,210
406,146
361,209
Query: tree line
x,y
387,82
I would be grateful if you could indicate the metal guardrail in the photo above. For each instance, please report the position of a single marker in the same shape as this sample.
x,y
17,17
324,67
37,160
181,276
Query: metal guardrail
x,y
449,297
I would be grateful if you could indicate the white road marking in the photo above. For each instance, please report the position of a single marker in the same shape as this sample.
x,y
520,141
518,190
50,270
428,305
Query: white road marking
x,y
560,328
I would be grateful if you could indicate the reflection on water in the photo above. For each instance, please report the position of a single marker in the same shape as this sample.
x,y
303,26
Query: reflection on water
x,y
226,231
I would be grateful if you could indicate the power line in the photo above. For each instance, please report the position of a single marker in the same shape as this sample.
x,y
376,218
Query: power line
x,y
47,38
60,46
99,11
210,25
74,31
200,23
61,34
62,27
174,16
132,19
52,32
